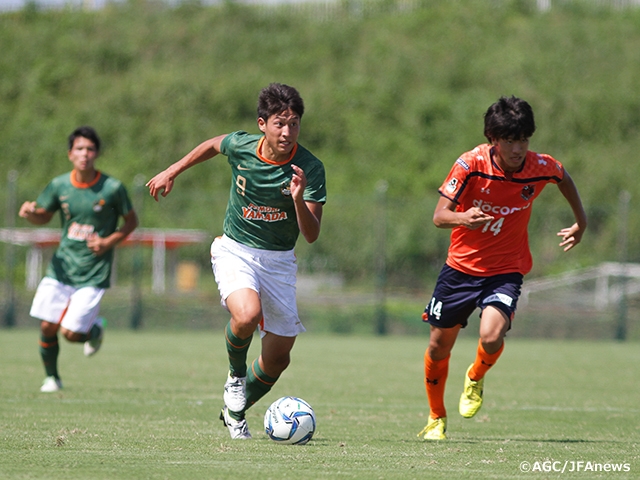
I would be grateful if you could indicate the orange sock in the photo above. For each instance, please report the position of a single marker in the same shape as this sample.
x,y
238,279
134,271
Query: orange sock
x,y
484,361
435,377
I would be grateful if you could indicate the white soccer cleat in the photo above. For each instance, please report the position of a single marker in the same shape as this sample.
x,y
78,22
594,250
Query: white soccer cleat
x,y
92,345
238,429
51,384
235,393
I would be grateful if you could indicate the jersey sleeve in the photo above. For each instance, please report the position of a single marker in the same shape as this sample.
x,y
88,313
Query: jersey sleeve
x,y
316,190
548,167
123,202
230,142
48,199
455,183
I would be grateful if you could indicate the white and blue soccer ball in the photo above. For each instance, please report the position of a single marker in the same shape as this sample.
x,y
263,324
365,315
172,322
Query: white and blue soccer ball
x,y
290,420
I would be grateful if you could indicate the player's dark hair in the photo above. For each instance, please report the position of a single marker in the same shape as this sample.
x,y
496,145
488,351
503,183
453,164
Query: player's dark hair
x,y
510,118
86,132
276,98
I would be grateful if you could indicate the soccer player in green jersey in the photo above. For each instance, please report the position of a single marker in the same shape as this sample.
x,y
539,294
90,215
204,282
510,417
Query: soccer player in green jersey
x,y
68,297
277,192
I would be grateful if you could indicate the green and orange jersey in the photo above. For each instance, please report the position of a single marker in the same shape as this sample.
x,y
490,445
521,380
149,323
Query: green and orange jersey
x,y
260,212
85,209
502,245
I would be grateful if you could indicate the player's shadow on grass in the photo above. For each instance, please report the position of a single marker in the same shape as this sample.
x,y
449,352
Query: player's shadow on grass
x,y
530,440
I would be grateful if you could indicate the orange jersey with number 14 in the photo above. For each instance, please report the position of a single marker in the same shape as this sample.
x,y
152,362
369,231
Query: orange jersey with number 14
x,y
502,245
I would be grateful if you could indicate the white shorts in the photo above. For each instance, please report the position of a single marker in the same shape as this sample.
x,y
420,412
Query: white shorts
x,y
270,273
75,309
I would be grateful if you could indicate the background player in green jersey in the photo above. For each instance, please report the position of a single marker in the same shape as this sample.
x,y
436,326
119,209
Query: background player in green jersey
x,y
277,192
68,297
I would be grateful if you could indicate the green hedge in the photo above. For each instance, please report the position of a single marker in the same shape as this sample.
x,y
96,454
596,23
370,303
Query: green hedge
x,y
394,91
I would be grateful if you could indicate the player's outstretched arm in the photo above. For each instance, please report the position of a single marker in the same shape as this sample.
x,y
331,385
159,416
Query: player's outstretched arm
x,y
162,183
308,214
446,216
34,214
572,235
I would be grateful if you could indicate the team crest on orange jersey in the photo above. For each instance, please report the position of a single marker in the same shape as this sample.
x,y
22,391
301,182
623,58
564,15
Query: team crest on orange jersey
x,y
527,192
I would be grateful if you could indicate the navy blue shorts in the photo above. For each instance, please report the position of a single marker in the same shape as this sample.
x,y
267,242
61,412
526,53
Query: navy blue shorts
x,y
458,294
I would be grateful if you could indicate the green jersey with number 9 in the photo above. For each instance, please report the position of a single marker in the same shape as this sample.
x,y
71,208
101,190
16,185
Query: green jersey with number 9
x,y
260,212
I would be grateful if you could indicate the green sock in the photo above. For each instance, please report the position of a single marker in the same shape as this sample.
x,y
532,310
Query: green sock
x,y
94,332
49,349
258,384
237,349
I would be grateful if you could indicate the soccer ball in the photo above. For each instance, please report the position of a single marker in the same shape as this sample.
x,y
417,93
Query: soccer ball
x,y
290,420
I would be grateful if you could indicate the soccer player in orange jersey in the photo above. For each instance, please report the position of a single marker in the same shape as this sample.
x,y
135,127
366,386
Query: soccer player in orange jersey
x,y
486,200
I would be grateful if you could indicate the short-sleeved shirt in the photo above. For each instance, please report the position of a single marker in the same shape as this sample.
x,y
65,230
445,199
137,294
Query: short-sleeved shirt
x,y
260,212
502,245
85,209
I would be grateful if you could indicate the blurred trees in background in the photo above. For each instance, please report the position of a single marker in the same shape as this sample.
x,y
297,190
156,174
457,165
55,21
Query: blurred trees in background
x,y
393,93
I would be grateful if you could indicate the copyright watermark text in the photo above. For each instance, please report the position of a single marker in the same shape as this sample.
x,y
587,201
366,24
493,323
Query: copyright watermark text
x,y
573,466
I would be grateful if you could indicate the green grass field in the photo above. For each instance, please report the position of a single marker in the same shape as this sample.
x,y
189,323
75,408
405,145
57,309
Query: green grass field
x,y
146,407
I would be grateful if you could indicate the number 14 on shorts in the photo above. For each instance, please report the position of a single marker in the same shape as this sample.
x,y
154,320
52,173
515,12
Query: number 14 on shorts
x,y
435,308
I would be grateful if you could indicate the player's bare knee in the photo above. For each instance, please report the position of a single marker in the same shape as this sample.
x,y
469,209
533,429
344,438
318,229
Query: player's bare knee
x,y
49,329
492,337
281,365
492,343
440,347
243,324
275,365
438,352
71,336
